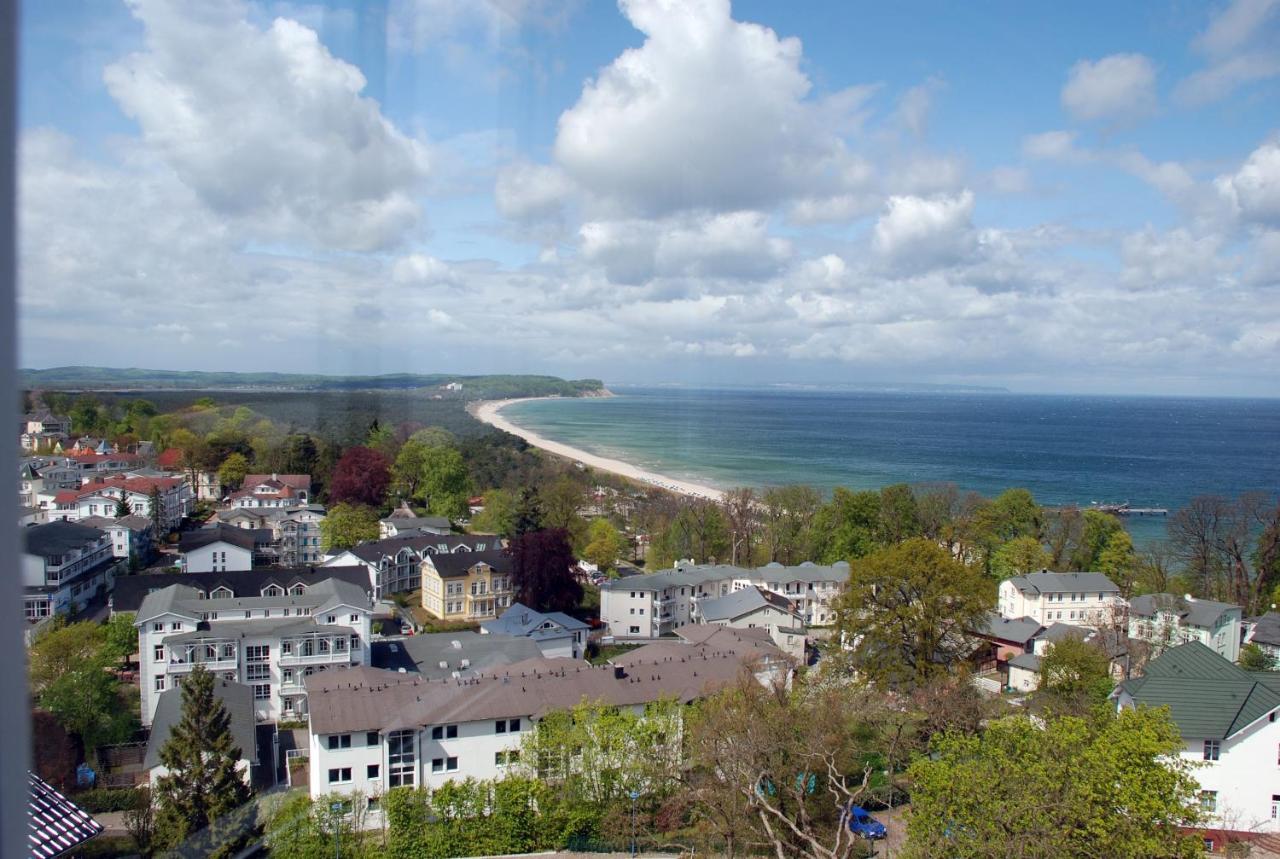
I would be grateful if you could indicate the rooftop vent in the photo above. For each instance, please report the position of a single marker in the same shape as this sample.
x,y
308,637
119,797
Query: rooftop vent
x,y
619,672
456,644
444,663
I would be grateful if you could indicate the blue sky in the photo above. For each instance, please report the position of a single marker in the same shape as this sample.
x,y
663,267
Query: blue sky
x,y
1061,197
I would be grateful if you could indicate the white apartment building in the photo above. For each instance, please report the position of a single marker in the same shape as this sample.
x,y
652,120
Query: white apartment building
x,y
100,496
63,566
654,605
270,642
272,490
1228,719
295,531
373,729
1166,620
217,549
395,563
130,535
1083,599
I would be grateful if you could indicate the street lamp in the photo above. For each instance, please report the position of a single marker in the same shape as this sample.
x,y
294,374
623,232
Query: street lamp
x,y
635,794
336,809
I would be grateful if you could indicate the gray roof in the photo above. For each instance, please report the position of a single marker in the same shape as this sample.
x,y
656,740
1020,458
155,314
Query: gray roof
x,y
375,550
130,591
1065,583
698,574
1208,696
1029,661
55,824
187,601
362,698
236,697
743,601
412,523
1267,630
452,566
58,538
1191,611
1019,630
245,538
520,620
424,653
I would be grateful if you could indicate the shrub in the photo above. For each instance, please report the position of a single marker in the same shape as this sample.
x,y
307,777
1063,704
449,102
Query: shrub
x,y
103,799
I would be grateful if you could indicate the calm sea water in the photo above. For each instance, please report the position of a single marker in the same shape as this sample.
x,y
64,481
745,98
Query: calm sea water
x,y
1148,451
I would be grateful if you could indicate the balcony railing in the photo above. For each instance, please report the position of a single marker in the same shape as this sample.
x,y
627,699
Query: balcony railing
x,y
317,658
186,665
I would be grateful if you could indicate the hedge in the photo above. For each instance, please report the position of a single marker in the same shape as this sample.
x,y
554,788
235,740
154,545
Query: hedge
x,y
101,799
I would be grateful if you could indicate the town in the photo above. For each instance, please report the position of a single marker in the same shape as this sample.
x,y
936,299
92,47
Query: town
x,y
355,650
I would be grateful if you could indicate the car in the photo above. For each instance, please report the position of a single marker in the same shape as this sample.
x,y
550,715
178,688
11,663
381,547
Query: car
x,y
862,823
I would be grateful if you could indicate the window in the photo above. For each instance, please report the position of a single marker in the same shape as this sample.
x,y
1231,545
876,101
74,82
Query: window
x,y
257,653
355,618
158,655
286,648
372,738
500,727
499,759
339,775
1208,801
273,591
262,692
176,626
402,758
1275,806
1212,748
451,764
371,771
157,627
339,741
444,732
437,765
513,726
331,619
633,630
159,683
372,804
257,672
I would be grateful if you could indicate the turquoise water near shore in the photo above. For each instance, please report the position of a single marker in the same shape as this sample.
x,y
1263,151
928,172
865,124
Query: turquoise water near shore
x,y
1148,451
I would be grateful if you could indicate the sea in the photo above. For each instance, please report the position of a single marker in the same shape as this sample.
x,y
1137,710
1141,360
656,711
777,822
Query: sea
x,y
1155,452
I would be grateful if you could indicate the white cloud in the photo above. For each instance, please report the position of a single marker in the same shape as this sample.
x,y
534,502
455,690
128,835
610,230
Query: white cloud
x,y
422,269
1179,257
527,191
709,113
1254,190
915,104
1241,45
1049,145
267,125
917,232
1121,86
419,24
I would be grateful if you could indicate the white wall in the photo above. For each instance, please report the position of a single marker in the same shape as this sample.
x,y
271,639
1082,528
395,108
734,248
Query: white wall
x,y
217,557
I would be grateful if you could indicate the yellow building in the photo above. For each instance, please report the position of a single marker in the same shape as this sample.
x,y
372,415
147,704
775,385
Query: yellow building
x,y
470,586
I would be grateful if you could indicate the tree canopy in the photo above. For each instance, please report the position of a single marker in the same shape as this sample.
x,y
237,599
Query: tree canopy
x,y
347,525
542,565
361,476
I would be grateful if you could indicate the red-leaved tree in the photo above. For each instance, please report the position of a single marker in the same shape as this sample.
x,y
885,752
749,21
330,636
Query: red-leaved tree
x,y
360,477
542,565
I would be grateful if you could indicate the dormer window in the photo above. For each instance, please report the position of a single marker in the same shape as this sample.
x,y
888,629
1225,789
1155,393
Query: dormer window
x,y
273,591
221,593
298,589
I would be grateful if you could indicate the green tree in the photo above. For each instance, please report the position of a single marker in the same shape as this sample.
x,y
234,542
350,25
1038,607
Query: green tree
x,y
444,482
156,503
1013,513
1120,562
232,471
434,437
1098,529
899,517
1254,658
1019,556
847,525
122,508
499,514
908,609
203,786
407,470
71,677
529,516
1075,676
120,638
789,514
1107,785
347,525
604,544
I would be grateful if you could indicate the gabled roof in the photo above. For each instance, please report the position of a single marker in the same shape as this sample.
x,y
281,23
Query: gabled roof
x,y
244,538
741,602
375,550
1027,661
1208,696
1016,630
295,481
1267,630
130,591
1190,610
1064,583
692,575
58,538
236,697
55,824
452,566
520,620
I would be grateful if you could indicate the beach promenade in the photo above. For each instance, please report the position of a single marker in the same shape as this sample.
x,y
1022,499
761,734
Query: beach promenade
x,y
489,411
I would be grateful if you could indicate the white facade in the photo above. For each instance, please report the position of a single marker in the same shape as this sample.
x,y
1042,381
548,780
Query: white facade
x,y
270,643
654,605
1168,621
1079,599
217,557
63,580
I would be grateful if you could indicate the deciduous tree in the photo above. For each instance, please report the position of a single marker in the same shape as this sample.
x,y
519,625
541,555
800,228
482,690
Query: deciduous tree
x,y
232,471
542,565
907,611
360,477
347,525
499,514
1075,676
604,544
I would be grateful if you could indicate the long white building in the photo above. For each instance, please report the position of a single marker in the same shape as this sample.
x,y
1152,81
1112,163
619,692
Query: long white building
x,y
1166,620
372,729
395,563
271,641
1081,599
654,605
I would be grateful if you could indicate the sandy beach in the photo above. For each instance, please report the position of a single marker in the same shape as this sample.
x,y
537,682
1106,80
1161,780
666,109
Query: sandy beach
x,y
489,411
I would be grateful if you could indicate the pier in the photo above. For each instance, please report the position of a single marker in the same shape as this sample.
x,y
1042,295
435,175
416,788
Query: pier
x,y
1126,509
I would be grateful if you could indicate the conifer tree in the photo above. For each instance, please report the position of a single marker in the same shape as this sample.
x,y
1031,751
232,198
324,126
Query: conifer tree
x,y
203,786
122,508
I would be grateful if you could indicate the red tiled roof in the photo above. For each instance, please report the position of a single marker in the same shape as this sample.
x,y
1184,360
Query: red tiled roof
x,y
140,485
170,458
297,481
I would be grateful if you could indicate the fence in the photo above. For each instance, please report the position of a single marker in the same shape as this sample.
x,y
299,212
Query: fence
x,y
122,765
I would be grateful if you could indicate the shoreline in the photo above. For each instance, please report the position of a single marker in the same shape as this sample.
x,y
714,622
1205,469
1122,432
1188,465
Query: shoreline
x,y
488,411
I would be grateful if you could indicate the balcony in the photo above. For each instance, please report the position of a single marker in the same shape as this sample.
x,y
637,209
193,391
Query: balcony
x,y
317,649
185,666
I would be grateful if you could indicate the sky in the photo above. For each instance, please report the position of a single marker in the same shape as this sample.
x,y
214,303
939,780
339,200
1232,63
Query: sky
x,y
1077,197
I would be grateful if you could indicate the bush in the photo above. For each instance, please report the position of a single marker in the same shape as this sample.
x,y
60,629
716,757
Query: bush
x,y
103,799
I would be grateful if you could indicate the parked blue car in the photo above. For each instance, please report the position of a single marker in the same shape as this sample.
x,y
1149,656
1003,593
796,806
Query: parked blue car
x,y
862,823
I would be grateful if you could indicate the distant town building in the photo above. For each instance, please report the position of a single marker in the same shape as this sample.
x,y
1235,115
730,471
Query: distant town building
x,y
64,565
1083,599
218,549
1166,620
272,490
555,633
403,521
468,585
395,564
